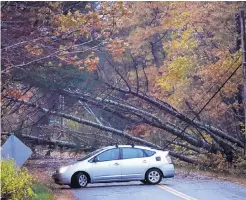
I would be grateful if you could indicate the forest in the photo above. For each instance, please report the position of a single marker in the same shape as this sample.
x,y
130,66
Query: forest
x,y
78,75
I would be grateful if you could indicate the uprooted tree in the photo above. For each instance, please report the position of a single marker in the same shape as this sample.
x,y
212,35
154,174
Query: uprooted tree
x,y
167,75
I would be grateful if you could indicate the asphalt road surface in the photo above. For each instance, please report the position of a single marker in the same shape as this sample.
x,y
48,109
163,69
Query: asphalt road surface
x,y
170,189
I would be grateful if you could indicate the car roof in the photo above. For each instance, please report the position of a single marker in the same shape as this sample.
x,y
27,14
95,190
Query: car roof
x,y
135,146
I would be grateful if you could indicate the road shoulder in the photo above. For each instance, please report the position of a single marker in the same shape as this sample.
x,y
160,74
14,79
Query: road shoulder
x,y
201,174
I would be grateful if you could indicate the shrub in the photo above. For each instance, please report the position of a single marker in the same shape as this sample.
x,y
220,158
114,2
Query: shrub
x,y
16,183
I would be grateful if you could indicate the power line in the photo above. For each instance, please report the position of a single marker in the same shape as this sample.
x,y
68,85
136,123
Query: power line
x,y
210,88
207,102
215,83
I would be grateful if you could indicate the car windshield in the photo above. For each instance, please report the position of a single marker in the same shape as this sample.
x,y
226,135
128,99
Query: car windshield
x,y
89,155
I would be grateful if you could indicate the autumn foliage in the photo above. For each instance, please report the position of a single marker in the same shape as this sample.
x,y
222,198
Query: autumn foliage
x,y
147,55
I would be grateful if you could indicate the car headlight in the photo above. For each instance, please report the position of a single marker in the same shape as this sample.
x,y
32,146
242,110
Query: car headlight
x,y
63,169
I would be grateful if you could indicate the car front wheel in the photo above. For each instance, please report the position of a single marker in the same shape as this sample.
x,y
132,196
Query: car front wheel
x,y
79,180
153,176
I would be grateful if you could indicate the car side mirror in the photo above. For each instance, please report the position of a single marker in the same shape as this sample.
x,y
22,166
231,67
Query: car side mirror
x,y
96,159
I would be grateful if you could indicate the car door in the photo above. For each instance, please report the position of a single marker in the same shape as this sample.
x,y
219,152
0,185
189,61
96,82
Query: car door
x,y
106,167
134,163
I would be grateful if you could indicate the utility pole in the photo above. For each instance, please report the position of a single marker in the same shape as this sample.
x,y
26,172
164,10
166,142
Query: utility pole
x,y
243,43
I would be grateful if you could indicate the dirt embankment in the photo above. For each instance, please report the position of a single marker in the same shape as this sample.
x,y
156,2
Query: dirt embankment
x,y
43,168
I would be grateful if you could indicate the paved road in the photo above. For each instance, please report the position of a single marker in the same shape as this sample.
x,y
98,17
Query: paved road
x,y
170,189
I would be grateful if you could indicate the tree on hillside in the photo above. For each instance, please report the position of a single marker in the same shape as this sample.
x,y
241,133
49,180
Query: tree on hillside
x,y
163,74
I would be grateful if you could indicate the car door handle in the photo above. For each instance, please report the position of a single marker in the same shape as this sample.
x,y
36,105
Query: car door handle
x,y
144,161
116,164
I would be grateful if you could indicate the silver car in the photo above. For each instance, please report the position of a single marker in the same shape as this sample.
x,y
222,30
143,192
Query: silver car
x,y
117,163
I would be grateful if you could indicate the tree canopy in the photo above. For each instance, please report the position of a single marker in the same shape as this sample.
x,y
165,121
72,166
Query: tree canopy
x,y
163,74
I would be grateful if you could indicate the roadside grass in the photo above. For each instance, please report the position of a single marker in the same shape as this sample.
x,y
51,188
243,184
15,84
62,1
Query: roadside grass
x,y
42,192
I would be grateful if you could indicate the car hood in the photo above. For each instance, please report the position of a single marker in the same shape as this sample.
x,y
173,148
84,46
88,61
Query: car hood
x,y
70,163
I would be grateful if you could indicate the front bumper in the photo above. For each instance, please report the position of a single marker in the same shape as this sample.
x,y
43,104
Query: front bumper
x,y
60,179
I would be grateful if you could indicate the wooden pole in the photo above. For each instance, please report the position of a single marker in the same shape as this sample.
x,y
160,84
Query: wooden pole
x,y
244,71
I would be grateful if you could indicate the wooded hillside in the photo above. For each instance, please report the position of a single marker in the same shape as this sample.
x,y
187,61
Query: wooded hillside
x,y
169,75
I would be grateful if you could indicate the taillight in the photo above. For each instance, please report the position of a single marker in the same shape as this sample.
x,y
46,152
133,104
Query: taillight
x,y
169,160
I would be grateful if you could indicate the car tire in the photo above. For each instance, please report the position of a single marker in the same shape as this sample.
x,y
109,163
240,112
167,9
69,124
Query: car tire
x,y
144,181
153,176
79,180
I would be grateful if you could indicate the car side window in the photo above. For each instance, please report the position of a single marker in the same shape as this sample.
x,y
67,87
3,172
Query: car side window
x,y
128,153
112,154
149,153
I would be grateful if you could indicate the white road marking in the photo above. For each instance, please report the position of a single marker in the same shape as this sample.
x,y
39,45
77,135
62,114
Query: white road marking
x,y
175,192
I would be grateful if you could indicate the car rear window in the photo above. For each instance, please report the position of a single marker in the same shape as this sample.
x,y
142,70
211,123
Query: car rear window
x,y
132,153
149,153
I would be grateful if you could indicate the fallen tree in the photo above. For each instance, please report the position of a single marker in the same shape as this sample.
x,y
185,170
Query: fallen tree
x,y
59,143
220,137
171,110
109,105
106,128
